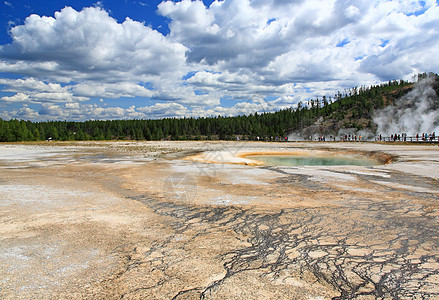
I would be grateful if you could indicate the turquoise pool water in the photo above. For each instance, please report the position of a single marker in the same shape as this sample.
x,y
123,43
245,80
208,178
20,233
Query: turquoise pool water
x,y
294,160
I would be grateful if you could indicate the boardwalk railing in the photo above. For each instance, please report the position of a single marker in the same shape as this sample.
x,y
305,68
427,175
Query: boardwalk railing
x,y
418,139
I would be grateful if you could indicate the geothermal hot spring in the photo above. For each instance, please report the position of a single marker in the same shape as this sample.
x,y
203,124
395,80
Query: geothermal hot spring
x,y
295,158
312,160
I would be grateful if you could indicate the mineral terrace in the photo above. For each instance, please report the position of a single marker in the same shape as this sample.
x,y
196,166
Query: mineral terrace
x,y
189,220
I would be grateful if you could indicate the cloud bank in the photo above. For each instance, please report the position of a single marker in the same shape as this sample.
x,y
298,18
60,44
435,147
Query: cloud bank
x,y
233,57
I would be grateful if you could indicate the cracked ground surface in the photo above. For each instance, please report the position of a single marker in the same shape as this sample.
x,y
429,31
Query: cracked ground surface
x,y
190,220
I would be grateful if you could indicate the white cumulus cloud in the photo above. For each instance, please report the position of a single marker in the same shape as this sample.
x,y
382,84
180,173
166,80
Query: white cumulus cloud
x,y
91,45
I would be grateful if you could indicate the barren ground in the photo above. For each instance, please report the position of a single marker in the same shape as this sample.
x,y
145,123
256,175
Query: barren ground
x,y
189,220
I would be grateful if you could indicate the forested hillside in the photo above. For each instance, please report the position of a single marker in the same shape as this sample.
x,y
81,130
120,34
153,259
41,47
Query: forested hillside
x,y
351,109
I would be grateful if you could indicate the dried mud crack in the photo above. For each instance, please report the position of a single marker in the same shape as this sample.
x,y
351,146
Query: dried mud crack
x,y
329,247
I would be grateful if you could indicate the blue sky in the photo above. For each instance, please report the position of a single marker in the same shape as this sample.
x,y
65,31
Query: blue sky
x,y
80,60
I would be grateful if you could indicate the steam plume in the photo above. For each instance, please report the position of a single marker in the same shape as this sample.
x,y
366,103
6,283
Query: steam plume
x,y
415,113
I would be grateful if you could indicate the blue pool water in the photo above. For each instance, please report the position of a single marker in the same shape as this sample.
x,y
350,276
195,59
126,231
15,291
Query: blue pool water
x,y
294,160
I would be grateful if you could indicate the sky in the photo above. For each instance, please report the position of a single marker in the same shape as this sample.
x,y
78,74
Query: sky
x,y
148,59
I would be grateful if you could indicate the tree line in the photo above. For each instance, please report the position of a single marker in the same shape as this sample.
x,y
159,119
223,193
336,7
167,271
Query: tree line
x,y
349,105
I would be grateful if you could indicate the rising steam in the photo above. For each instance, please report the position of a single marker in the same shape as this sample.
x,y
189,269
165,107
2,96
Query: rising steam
x,y
415,113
